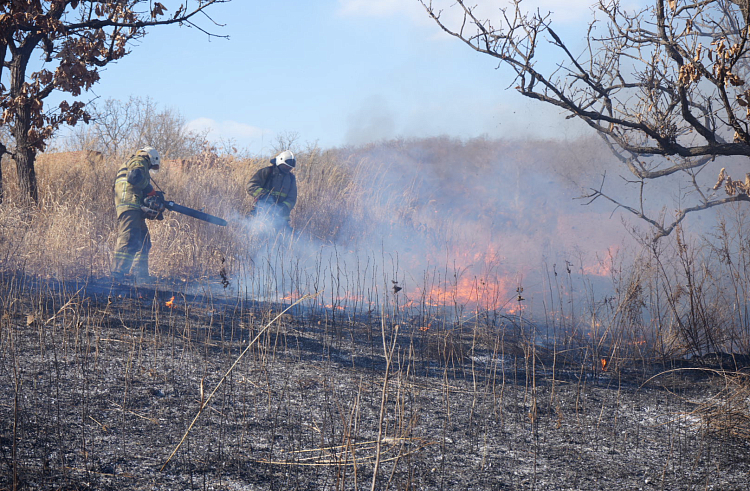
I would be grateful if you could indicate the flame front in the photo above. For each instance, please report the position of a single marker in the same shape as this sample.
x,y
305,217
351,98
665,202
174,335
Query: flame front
x,y
170,303
487,293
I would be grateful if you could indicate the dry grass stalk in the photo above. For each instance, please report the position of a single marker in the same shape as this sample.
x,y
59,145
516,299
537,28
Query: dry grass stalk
x,y
340,454
728,412
204,402
725,413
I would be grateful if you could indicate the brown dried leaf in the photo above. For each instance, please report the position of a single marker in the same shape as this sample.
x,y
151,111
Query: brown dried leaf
x,y
735,80
722,176
730,187
158,10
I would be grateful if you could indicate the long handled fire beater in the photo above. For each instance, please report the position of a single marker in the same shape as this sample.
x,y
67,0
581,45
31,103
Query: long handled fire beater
x,y
154,205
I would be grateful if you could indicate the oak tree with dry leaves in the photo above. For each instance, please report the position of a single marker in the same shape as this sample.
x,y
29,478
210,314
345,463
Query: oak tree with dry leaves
x,y
60,45
664,84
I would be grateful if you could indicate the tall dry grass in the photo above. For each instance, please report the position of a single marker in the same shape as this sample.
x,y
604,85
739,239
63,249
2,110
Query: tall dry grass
x,y
685,296
72,230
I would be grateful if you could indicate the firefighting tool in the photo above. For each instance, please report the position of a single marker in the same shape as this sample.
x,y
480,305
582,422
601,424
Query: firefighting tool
x,y
154,205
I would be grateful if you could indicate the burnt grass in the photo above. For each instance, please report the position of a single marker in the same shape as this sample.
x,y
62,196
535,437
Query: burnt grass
x,y
99,386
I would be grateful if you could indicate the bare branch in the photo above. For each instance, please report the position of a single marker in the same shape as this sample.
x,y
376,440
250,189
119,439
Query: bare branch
x,y
664,84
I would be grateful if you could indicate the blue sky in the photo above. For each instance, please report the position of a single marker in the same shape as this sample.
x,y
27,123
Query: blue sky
x,y
335,72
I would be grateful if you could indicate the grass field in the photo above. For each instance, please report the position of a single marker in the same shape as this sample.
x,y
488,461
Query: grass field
x,y
449,334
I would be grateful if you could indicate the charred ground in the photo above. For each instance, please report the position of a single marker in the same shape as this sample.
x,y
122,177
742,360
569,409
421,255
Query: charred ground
x,y
100,385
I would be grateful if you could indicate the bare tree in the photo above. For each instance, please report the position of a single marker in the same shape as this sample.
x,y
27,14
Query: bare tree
x,y
73,38
117,128
112,123
665,86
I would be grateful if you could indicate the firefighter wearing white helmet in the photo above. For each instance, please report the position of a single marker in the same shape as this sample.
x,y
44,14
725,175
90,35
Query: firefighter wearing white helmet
x,y
132,185
276,185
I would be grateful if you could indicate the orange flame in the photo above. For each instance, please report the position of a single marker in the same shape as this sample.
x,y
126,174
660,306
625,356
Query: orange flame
x,y
292,297
481,291
604,364
170,303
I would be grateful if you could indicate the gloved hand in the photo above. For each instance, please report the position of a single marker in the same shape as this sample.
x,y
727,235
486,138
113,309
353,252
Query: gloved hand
x,y
155,201
154,205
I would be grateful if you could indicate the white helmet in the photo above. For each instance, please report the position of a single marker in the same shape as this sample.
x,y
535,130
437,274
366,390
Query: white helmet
x,y
285,157
153,155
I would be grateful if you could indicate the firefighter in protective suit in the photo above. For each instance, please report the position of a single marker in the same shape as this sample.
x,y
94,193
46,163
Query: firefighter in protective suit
x,y
135,201
273,189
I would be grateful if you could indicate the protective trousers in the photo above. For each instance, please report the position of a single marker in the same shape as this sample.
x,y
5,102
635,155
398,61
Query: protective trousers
x,y
133,244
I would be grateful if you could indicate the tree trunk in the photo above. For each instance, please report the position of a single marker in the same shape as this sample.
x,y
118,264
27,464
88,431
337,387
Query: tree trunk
x,y
24,158
25,153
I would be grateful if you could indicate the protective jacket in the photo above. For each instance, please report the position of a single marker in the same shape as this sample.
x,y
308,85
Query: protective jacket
x,y
132,184
270,182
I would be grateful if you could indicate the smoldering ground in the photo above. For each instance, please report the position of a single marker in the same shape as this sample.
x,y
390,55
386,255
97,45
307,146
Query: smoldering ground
x,y
101,387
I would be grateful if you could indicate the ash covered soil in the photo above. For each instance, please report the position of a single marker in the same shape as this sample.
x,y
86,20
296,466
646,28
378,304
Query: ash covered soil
x,y
99,387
